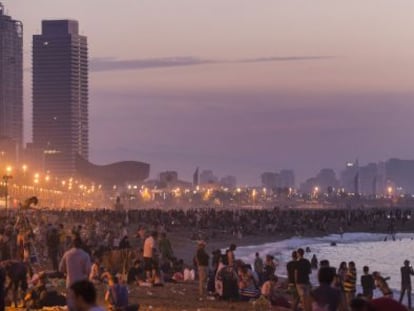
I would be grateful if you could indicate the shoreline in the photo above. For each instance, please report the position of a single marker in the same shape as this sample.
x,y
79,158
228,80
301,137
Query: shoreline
x,y
185,248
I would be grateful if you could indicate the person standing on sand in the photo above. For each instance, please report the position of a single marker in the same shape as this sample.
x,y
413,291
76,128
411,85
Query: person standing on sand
x,y
269,268
76,264
406,273
325,297
302,272
231,257
150,262
202,260
382,285
350,283
258,267
291,267
164,245
367,283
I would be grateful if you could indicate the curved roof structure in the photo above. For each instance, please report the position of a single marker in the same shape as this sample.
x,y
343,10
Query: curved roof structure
x,y
114,173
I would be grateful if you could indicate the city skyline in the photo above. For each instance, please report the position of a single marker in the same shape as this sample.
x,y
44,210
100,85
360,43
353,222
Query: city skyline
x,y
268,87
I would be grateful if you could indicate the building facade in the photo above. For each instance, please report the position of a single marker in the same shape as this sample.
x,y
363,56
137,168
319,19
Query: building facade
x,y
11,78
60,95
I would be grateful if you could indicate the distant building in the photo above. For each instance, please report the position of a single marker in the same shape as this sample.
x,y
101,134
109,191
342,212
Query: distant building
x,y
310,185
119,173
270,180
207,177
324,181
368,176
9,150
168,178
401,174
33,157
60,95
366,180
349,178
287,179
11,78
228,182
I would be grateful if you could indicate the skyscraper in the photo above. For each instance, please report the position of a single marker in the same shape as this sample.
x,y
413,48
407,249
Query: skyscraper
x,y
11,78
60,95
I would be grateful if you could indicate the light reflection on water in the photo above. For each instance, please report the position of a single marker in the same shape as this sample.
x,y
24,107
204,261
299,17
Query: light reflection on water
x,y
363,248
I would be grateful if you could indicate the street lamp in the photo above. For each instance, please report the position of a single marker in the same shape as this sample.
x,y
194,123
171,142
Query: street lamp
x,y
6,179
24,168
315,192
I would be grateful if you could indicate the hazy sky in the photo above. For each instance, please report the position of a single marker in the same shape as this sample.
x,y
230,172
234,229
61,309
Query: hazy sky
x,y
242,86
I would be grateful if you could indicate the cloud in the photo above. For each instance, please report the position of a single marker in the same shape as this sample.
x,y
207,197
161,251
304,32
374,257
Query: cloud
x,y
114,64
282,59
110,64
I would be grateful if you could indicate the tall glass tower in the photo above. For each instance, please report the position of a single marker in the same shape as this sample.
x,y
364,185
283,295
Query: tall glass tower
x,y
60,95
11,78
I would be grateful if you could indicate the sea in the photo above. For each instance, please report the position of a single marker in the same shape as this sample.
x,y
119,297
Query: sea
x,y
381,252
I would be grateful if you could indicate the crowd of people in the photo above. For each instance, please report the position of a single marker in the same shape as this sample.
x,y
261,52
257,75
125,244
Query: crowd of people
x,y
91,248
338,291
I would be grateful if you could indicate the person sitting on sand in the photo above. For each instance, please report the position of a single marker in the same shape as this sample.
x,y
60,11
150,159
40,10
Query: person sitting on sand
x,y
36,297
94,276
382,285
117,294
136,272
247,284
188,274
268,286
84,297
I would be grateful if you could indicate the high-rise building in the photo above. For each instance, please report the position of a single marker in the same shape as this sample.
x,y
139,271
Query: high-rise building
x,y
208,177
60,95
287,178
325,181
270,180
11,78
228,182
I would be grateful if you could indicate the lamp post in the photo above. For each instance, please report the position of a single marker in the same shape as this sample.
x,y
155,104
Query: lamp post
x,y
6,179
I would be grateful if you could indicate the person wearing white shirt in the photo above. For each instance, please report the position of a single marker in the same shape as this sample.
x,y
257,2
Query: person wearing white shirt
x,y
150,262
76,264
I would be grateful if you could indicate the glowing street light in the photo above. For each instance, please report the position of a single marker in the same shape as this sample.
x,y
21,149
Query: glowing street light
x,y
6,179
315,191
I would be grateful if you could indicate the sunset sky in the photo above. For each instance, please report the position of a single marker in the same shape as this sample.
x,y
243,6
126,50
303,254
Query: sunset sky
x,y
241,86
